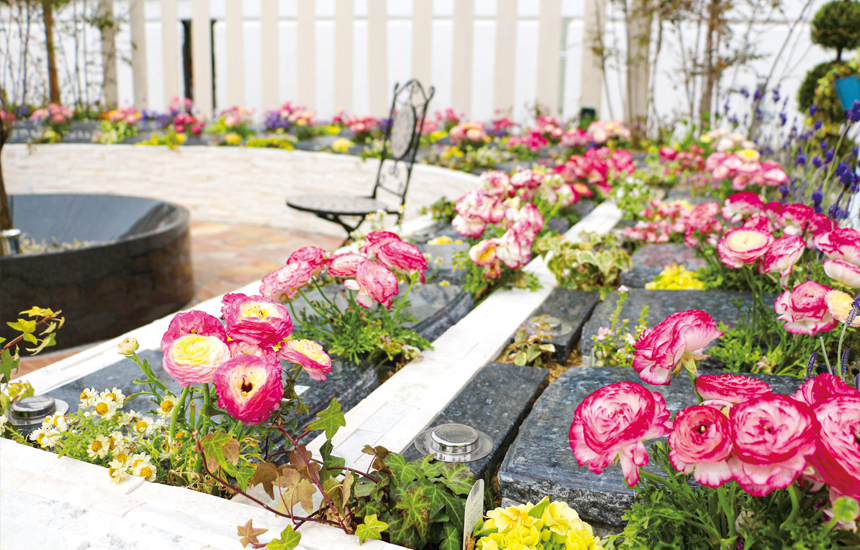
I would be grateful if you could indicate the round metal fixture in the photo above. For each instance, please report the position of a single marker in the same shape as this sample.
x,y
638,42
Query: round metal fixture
x,y
27,414
454,443
557,327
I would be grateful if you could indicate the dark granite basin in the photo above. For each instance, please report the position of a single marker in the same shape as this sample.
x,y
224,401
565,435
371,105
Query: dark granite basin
x,y
138,268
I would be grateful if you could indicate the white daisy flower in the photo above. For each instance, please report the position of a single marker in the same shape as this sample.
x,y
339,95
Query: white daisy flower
x,y
114,395
105,408
165,409
89,397
145,470
116,471
98,448
143,426
3,421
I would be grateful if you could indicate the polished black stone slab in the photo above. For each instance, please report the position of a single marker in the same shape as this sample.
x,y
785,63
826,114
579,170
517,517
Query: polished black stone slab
x,y
573,307
495,401
540,462
651,259
662,303
138,270
438,229
82,131
440,260
318,143
24,131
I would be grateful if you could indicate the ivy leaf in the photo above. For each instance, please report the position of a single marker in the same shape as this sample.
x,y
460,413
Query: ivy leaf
x,y
220,449
440,498
300,460
329,420
429,467
37,312
332,465
248,535
304,493
416,511
458,478
371,528
47,342
451,537
266,473
288,540
7,365
404,472
243,476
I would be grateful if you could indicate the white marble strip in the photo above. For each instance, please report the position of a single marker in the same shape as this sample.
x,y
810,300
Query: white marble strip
x,y
170,48
548,61
270,96
234,19
201,39
461,65
137,22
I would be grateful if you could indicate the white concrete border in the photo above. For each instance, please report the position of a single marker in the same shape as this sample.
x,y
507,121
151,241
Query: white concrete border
x,y
76,499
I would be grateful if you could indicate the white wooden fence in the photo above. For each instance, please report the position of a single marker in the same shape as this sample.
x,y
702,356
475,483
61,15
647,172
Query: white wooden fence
x,y
482,56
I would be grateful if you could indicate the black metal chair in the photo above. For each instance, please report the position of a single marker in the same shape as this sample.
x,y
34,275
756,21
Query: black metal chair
x,y
402,137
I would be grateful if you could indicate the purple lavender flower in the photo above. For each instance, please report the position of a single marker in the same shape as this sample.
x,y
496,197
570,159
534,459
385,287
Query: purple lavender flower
x,y
776,94
828,155
816,161
800,160
757,95
817,196
840,168
813,109
817,124
783,190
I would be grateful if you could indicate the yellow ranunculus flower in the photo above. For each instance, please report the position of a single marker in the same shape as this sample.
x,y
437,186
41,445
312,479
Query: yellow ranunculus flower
x,y
507,519
749,155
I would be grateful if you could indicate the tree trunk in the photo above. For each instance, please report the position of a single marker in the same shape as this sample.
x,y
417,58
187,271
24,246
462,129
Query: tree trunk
x,y
53,81
5,211
639,18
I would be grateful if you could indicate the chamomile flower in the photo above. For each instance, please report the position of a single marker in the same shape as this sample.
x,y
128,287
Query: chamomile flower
x,y
89,397
98,448
143,426
105,408
121,458
165,409
137,459
145,470
115,440
3,420
114,395
45,437
128,418
116,471
58,422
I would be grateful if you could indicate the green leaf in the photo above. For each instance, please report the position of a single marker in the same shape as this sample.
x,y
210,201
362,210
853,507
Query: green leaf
x,y
451,537
429,467
458,478
329,420
7,365
416,511
220,449
47,342
371,528
288,540
332,465
538,509
243,476
404,472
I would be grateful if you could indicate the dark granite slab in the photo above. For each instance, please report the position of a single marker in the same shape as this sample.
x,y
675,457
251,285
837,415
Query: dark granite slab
x,y
316,144
540,462
24,131
441,260
438,229
495,401
662,303
651,259
82,132
573,307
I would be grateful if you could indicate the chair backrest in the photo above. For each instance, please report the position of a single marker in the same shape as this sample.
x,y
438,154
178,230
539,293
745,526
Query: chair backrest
x,y
402,138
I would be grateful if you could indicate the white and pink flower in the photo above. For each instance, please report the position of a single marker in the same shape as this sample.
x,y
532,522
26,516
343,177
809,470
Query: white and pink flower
x,y
701,443
309,354
731,388
804,309
249,388
374,283
743,246
256,319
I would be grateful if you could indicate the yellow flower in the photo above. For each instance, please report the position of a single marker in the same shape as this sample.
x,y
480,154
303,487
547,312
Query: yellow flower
x,y
840,304
506,519
749,155
444,239
128,346
675,277
341,145
232,138
98,448
167,405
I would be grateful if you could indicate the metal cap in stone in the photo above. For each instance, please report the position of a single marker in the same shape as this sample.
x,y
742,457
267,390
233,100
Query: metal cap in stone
x,y
556,326
454,443
28,413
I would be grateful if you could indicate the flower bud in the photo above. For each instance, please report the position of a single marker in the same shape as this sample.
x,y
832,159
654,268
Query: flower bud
x,y
128,346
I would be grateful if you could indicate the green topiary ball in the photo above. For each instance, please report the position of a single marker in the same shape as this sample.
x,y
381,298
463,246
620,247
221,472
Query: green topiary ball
x,y
806,93
837,26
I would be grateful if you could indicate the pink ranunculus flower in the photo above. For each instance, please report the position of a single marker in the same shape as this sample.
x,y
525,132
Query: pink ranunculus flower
x,y
374,283
781,257
845,273
703,217
345,265
313,255
193,358
673,344
249,388
375,239
773,435
469,227
840,244
823,387
840,304
731,388
239,348
192,322
256,319
837,459
310,355
701,443
743,246
483,253
741,205
804,309
795,217
284,284
613,422
402,257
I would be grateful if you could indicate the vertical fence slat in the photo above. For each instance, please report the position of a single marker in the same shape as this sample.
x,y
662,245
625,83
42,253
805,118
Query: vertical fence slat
x,y
591,84
306,49
377,56
201,42
422,41
137,22
506,52
549,49
234,39
170,49
111,90
461,66
343,46
270,96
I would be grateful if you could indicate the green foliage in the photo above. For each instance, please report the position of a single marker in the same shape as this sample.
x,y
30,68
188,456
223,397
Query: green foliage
x,y
594,263
826,96
115,132
613,345
806,92
633,195
531,349
285,142
836,25
329,420
480,286
422,502
370,528
172,139
441,210
288,540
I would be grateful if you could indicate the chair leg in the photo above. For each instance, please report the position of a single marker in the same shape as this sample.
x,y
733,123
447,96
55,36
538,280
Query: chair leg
x,y
334,218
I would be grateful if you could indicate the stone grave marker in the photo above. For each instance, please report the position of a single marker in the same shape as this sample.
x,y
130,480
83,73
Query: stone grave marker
x,y
540,462
82,132
24,131
440,260
572,308
318,143
651,259
495,401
